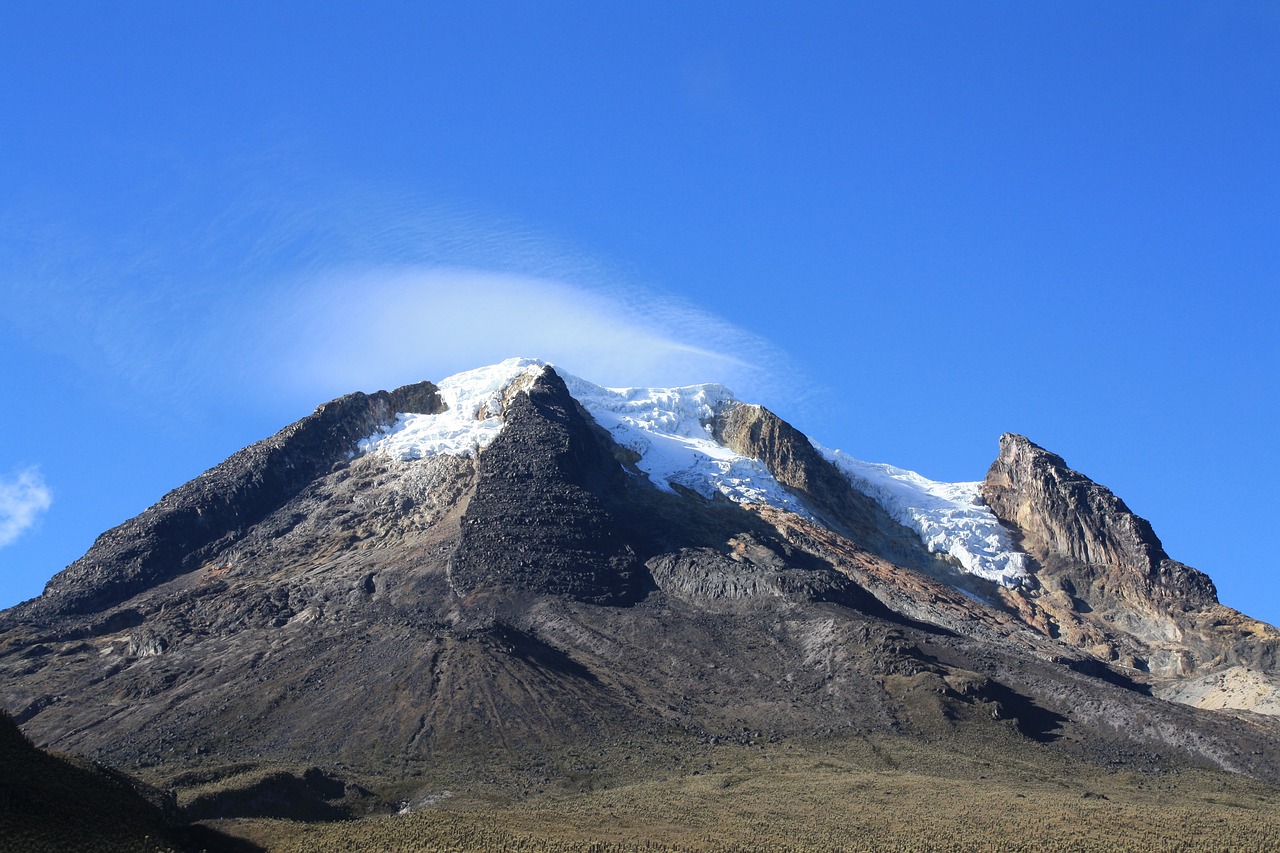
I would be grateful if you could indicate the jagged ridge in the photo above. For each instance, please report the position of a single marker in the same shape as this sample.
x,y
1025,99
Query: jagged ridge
x,y
1107,585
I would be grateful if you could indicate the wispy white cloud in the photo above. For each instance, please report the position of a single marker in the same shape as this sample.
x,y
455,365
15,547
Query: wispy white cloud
x,y
23,498
306,300
382,327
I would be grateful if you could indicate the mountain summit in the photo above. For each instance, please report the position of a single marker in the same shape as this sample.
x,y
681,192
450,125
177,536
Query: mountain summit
x,y
515,562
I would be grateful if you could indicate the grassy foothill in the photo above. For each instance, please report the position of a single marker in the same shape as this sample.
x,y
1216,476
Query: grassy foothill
x,y
886,794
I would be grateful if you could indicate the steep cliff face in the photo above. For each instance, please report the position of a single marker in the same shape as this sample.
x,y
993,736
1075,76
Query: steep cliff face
x,y
1082,532
758,433
1105,581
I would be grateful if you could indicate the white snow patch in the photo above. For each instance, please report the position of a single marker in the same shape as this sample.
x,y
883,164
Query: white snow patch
x,y
670,428
424,801
471,421
949,517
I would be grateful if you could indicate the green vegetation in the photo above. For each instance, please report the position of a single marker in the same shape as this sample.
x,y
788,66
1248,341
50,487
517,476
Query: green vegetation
x,y
853,794
953,791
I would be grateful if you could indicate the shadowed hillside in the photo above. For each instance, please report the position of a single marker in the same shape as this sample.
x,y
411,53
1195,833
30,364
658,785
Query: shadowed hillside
x,y
59,803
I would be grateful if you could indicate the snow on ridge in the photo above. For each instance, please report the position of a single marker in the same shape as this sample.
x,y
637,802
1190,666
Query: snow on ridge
x,y
670,430
950,518
471,421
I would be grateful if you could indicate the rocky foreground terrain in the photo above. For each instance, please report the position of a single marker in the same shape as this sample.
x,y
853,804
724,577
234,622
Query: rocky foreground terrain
x,y
315,629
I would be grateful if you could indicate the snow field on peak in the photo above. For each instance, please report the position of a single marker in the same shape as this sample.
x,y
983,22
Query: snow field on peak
x,y
669,429
950,518
471,421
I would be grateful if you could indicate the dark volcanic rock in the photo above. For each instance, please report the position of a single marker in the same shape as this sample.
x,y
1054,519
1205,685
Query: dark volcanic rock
x,y
312,795
538,519
52,803
750,570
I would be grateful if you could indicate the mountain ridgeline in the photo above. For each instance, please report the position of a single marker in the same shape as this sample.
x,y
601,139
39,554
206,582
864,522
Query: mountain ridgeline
x,y
594,567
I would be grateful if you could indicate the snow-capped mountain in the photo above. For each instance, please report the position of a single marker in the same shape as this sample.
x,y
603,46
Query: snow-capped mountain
x,y
671,432
514,561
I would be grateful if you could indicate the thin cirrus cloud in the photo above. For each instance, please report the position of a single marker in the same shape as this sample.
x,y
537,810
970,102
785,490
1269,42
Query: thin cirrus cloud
x,y
382,327
306,300
24,497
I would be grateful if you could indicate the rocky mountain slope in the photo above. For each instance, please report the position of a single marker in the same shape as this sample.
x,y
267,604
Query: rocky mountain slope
x,y
467,581
1106,585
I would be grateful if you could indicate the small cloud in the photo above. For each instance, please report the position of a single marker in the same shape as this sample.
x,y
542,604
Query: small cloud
x,y
23,497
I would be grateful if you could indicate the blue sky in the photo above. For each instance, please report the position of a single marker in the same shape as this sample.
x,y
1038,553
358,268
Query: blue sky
x,y
908,228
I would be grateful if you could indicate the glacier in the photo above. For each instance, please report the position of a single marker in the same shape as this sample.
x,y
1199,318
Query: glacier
x,y
950,518
471,421
669,430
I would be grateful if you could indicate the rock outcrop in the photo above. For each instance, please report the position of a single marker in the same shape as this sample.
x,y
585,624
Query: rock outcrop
x,y
1082,532
758,433
1105,581
538,518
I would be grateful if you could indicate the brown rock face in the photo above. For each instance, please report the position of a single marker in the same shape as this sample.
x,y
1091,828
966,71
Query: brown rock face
x,y
1078,528
1106,583
756,432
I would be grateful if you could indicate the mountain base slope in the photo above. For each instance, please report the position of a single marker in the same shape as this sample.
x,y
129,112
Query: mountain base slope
x,y
58,803
845,793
